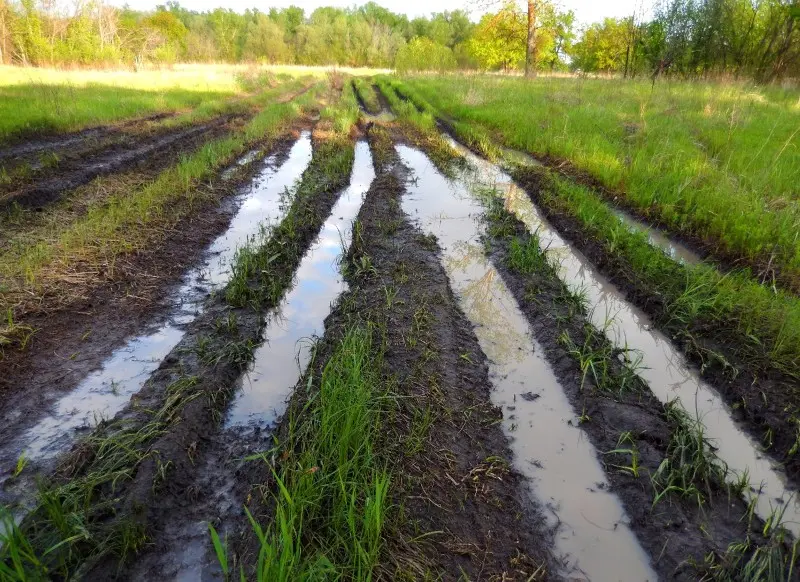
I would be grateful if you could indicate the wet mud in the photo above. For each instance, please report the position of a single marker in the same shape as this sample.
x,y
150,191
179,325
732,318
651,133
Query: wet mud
x,y
28,149
101,394
184,448
592,533
677,533
182,548
659,363
456,484
761,401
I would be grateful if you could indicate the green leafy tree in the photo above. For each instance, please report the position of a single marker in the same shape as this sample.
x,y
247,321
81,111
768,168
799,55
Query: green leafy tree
x,y
422,54
499,40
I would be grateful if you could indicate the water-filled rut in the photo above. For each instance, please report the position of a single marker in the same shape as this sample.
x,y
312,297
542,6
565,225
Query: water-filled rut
x,y
184,551
104,392
280,361
662,365
592,534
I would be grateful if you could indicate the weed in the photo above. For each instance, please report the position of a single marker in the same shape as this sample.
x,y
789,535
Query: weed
x,y
627,438
333,485
691,469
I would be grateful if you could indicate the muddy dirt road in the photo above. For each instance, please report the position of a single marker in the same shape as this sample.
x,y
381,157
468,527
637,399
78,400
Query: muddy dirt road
x,y
373,356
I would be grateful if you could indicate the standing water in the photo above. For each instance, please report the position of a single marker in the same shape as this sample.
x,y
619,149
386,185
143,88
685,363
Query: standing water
x,y
104,392
663,367
302,313
549,448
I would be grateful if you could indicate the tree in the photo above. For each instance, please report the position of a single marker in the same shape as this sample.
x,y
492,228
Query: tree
x,y
498,41
422,54
264,41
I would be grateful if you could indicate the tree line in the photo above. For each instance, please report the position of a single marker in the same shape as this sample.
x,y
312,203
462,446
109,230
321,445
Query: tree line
x,y
754,38
757,39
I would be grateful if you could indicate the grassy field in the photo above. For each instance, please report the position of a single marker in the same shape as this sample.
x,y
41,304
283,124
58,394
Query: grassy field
x,y
50,100
719,163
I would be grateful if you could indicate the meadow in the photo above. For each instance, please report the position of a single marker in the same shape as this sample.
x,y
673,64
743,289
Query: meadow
x,y
300,323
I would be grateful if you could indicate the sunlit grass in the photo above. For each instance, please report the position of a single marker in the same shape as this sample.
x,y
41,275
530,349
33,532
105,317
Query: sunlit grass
x,y
35,100
721,162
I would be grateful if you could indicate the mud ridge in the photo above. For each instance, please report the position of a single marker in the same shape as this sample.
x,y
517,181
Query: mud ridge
x,y
60,141
676,533
760,400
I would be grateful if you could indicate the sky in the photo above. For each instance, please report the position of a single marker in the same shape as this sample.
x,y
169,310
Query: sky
x,y
586,11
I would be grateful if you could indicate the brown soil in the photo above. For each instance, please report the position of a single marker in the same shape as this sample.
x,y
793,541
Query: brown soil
x,y
761,401
675,532
28,149
460,482
195,484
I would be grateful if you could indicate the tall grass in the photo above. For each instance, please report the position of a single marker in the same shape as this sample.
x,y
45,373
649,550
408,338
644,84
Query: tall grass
x,y
330,503
721,162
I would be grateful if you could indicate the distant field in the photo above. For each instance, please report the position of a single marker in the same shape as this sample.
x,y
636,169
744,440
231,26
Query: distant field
x,y
36,100
717,162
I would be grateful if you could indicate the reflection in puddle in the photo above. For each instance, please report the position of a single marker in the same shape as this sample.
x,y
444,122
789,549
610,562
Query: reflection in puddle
x,y
103,393
548,446
663,367
284,356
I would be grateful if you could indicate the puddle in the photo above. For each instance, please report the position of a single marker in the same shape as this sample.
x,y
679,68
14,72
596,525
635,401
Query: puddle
x,y
566,476
104,392
385,116
282,359
663,367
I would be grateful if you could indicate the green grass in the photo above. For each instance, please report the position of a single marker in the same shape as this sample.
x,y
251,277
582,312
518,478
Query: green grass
x,y
720,162
37,101
367,94
754,326
691,469
330,502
